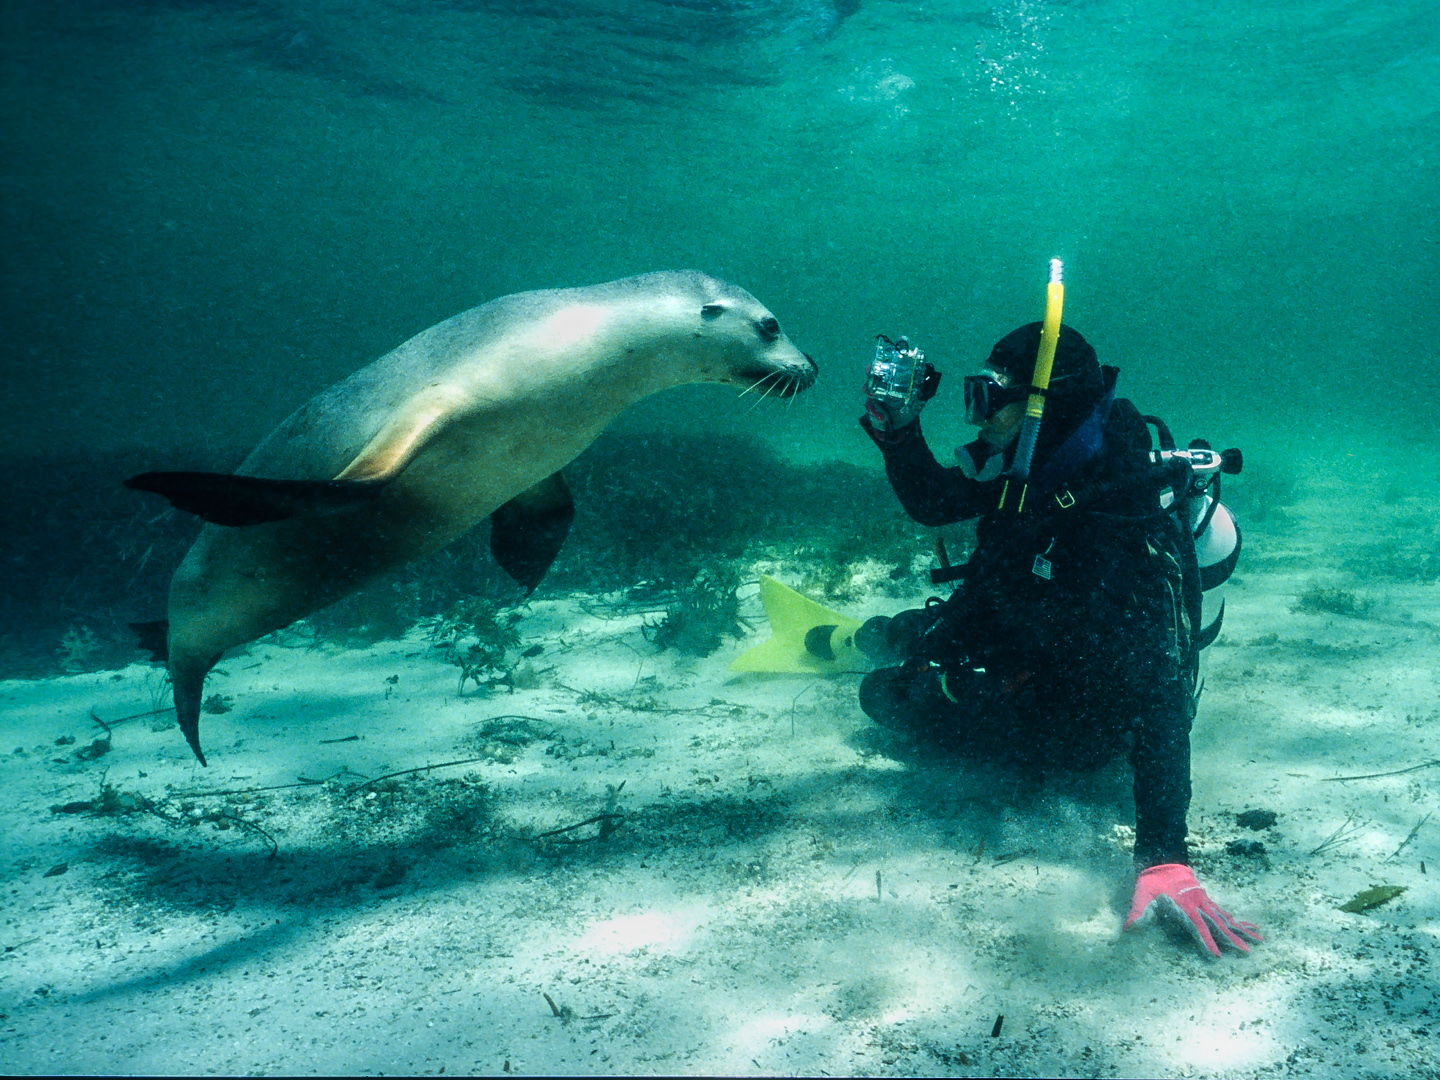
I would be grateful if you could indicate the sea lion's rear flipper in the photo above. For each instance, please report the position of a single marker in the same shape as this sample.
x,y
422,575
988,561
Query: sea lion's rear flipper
x,y
528,531
252,500
187,680
154,638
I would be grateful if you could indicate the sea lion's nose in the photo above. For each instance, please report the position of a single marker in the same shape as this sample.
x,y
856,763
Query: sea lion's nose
x,y
812,362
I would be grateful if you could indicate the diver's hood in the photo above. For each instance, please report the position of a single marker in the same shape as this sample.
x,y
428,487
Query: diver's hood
x,y
1072,437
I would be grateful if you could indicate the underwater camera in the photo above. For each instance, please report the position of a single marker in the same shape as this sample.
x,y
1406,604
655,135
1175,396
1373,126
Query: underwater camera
x,y
900,376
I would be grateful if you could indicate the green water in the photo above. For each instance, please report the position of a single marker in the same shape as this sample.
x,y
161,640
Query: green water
x,y
212,210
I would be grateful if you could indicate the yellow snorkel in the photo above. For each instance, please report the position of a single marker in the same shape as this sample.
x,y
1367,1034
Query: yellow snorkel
x,y
1019,476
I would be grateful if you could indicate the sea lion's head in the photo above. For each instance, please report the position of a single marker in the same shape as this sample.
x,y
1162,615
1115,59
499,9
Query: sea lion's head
x,y
732,338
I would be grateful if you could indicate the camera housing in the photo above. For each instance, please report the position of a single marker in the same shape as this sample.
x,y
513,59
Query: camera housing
x,y
899,376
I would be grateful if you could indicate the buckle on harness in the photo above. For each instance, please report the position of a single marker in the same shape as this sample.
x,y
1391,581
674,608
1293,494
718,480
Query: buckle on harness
x,y
1042,567
1065,499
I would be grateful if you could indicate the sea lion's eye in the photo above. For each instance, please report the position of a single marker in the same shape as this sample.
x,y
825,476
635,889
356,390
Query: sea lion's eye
x,y
712,311
769,328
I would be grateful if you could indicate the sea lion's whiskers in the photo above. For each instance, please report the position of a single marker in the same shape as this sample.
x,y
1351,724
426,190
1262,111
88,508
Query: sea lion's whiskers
x,y
768,390
766,394
756,383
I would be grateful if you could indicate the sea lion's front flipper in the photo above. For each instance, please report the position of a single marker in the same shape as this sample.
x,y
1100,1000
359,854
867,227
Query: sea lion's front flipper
x,y
252,500
405,434
528,531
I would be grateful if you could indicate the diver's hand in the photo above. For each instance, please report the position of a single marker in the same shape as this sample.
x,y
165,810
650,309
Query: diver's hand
x,y
887,418
1171,892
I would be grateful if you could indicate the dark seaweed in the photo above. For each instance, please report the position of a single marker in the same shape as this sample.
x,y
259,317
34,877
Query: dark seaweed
x,y
1317,600
702,614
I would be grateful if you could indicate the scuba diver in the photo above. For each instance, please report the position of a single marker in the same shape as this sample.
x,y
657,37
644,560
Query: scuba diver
x,y
1074,632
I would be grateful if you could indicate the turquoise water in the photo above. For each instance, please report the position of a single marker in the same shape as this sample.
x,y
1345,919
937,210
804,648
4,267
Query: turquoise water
x,y
213,210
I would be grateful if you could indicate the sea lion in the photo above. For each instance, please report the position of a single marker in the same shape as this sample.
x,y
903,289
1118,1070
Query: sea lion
x,y
473,417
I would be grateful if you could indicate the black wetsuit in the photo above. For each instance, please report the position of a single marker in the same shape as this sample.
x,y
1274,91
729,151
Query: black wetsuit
x,y
1069,639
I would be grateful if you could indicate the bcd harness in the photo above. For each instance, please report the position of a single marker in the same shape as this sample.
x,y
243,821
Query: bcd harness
x,y
1171,483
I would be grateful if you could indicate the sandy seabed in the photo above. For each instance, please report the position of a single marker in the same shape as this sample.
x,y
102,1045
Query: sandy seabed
x,y
764,883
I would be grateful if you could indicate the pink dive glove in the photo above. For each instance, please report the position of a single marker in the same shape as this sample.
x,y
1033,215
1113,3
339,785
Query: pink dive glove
x,y
1171,890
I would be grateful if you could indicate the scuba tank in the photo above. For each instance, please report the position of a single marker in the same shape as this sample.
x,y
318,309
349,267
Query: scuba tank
x,y
1216,534
1217,540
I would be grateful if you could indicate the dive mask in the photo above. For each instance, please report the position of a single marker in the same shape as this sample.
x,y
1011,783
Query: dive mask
x,y
985,395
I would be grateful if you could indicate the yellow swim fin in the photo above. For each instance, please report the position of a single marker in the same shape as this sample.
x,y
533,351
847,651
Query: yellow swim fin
x,y
807,638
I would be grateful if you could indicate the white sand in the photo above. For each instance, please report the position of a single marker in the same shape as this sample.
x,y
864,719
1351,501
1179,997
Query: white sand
x,y
731,923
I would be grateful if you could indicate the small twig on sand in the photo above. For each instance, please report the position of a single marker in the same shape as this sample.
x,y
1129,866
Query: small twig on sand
x,y
304,782
123,719
603,819
420,769
551,1002
608,819
274,847
1011,856
1413,833
1377,775
1335,839
157,811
